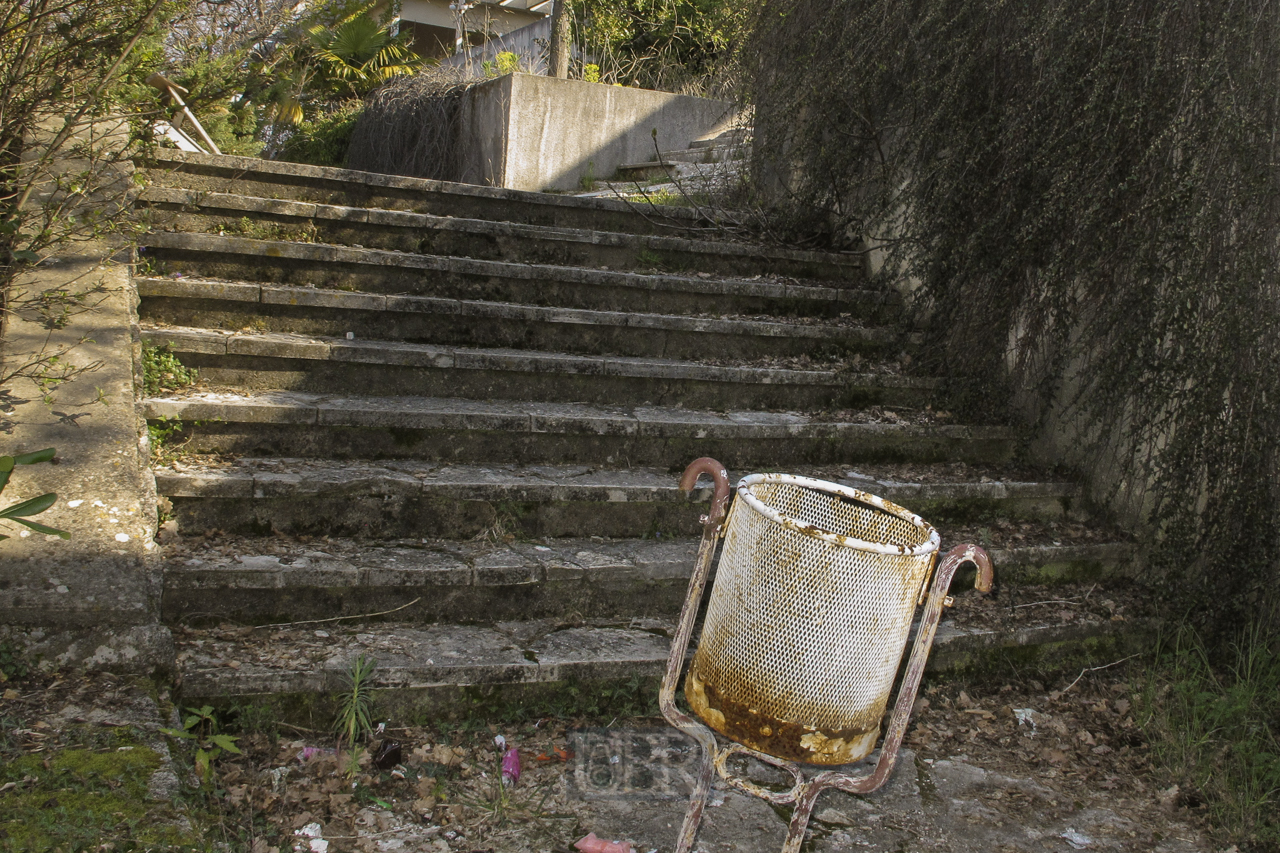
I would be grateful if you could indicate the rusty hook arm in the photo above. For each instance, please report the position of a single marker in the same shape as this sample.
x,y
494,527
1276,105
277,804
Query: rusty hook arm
x,y
985,580
720,502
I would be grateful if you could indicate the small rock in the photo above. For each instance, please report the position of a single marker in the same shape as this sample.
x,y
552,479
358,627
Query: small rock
x,y
834,817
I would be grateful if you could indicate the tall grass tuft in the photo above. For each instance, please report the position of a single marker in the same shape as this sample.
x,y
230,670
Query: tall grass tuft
x,y
1215,727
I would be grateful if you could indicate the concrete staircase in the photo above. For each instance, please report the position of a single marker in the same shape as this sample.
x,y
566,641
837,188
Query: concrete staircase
x,y
464,410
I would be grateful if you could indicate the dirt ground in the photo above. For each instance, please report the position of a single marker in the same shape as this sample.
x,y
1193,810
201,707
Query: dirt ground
x,y
1017,766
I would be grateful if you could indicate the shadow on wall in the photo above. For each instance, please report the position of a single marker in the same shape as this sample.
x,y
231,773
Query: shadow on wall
x,y
526,132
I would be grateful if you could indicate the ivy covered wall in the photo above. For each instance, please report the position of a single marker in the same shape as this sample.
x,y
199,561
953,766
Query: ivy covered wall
x,y
1088,195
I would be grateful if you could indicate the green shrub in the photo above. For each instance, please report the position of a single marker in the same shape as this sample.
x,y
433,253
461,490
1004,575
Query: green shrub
x,y
161,371
323,140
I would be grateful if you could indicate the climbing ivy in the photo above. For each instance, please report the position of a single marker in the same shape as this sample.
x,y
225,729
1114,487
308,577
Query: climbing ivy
x,y
1087,194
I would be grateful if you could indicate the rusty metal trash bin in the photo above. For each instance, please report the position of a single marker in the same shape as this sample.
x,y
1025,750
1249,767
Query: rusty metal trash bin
x,y
815,594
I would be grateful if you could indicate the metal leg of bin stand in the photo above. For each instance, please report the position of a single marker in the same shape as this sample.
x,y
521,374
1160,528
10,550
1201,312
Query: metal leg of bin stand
x,y
711,525
803,794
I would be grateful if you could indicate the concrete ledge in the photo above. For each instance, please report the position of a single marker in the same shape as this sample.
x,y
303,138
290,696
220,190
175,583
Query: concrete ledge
x,y
105,575
262,478
439,580
134,650
280,361
453,413
192,289
286,345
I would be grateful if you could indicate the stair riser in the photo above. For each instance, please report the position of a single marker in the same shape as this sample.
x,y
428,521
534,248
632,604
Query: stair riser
x,y
509,690
521,446
201,596
440,517
265,373
456,329
587,290
376,517
517,248
525,208
215,604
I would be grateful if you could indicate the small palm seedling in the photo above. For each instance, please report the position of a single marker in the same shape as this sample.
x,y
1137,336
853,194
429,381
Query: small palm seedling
x,y
355,703
22,511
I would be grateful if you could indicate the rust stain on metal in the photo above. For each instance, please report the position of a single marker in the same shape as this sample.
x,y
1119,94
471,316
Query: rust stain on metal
x,y
794,741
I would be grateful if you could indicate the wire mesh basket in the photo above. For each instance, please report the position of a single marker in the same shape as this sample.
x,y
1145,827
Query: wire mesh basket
x,y
808,617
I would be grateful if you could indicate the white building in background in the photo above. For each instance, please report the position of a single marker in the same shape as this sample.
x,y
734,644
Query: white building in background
x,y
434,23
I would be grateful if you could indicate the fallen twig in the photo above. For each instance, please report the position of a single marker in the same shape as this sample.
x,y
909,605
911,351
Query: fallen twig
x,y
1092,669
338,618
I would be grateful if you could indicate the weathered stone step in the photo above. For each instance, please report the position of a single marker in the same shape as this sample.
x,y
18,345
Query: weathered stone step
x,y
280,361
688,167
316,497
712,152
263,580
239,259
439,665
186,210
326,185
467,431
440,320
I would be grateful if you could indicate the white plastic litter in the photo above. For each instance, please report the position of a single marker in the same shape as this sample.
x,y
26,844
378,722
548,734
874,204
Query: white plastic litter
x,y
1078,840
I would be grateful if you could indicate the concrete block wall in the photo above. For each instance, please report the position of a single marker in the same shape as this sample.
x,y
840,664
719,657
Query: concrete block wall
x,y
526,132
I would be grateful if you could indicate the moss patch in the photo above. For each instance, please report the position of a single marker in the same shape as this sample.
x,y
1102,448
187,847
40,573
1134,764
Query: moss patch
x,y
80,798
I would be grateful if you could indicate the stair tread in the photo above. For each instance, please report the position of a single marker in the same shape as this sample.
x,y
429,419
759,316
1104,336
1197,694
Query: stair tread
x,y
769,286
320,348
315,657
170,158
241,204
251,292
273,477
297,407
655,558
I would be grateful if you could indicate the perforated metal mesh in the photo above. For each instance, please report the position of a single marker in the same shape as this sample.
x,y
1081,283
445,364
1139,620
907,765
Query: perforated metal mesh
x,y
805,627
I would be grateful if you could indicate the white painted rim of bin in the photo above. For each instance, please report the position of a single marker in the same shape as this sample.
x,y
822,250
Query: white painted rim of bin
x,y
744,492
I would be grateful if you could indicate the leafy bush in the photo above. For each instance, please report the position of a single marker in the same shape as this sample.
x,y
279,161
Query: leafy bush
x,y
324,140
671,45
161,371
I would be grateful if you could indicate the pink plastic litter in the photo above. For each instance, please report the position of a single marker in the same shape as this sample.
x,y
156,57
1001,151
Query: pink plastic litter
x,y
511,766
591,844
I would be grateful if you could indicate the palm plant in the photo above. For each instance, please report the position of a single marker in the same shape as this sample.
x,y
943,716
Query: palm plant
x,y
357,53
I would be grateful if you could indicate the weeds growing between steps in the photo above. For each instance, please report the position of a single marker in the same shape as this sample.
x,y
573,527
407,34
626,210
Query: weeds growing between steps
x,y
1214,726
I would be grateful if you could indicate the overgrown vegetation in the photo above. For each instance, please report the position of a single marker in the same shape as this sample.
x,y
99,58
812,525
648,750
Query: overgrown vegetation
x,y
1086,194
671,45
261,74
1215,730
162,371
410,126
